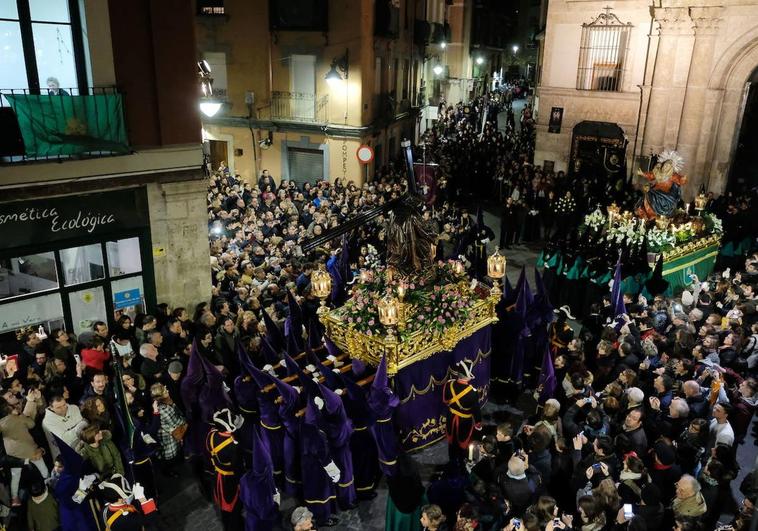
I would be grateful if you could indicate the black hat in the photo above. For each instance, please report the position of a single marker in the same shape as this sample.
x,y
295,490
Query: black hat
x,y
664,453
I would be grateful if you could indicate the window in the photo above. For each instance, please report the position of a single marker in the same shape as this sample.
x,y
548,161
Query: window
x,y
27,274
602,53
210,7
217,62
41,40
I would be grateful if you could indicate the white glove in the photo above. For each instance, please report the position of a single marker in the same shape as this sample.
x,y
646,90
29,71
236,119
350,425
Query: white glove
x,y
226,387
283,363
338,392
86,482
296,388
333,471
277,497
337,371
310,367
239,420
331,357
319,402
268,368
138,491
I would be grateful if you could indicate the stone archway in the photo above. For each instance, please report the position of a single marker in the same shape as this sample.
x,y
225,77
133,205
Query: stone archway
x,y
724,107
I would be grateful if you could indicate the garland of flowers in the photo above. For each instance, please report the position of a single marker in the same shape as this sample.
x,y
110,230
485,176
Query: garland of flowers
x,y
660,240
432,307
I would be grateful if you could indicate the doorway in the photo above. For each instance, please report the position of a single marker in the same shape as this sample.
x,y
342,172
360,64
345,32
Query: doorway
x,y
303,87
218,152
743,174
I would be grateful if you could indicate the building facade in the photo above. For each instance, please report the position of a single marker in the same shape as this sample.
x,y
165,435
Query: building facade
x,y
102,194
626,78
270,60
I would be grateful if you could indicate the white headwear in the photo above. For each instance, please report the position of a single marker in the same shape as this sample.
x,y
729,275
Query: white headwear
x,y
677,161
118,484
466,366
223,419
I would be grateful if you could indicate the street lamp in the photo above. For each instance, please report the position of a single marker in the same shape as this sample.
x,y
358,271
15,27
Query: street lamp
x,y
209,105
480,60
515,49
443,45
438,69
339,64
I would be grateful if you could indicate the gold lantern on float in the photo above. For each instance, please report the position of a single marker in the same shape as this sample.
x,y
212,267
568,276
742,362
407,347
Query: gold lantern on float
x,y
402,289
700,201
496,270
434,251
366,276
458,267
613,212
388,308
321,287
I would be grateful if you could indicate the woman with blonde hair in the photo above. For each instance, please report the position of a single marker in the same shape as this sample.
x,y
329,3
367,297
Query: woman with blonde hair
x,y
172,429
432,518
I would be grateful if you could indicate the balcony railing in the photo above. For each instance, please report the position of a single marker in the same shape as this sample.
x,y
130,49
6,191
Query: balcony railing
x,y
299,107
71,124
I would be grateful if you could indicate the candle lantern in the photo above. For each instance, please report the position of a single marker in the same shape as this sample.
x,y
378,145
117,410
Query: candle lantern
x,y
366,276
496,270
434,251
700,201
388,308
458,267
402,289
321,287
613,212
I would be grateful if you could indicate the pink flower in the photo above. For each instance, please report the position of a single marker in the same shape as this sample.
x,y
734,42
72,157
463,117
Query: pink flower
x,y
358,320
369,333
444,305
441,319
412,286
349,319
371,322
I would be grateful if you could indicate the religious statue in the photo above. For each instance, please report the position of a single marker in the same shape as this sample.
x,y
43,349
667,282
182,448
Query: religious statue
x,y
409,242
664,190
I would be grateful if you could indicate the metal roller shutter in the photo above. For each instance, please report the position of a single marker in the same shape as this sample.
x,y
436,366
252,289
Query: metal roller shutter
x,y
305,165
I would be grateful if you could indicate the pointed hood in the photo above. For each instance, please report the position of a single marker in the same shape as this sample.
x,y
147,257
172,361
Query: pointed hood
x,y
358,367
509,295
332,401
547,378
331,378
293,349
381,398
479,218
245,362
542,294
617,296
73,463
523,289
295,319
262,466
261,378
289,397
273,333
657,285
291,365
270,354
331,348
315,341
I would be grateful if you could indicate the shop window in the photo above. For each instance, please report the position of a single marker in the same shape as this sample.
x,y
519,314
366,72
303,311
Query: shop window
x,y
123,257
87,307
41,40
45,310
128,297
82,264
27,274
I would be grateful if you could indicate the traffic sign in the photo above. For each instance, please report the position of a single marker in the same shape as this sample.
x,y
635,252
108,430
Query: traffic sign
x,y
364,154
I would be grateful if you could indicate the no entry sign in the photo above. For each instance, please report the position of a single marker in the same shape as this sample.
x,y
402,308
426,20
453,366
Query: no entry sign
x,y
364,154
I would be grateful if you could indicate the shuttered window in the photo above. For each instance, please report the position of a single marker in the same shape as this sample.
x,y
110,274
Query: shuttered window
x,y
602,53
305,165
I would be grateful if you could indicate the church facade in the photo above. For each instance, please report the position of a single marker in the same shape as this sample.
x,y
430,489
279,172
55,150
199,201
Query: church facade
x,y
675,75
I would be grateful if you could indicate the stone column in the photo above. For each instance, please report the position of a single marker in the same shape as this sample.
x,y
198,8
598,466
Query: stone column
x,y
671,21
705,22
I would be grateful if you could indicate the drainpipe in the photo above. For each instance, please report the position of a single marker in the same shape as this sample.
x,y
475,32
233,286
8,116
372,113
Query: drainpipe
x,y
644,78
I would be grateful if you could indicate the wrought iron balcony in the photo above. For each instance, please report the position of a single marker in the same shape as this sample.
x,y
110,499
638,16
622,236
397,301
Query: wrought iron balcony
x,y
72,124
299,107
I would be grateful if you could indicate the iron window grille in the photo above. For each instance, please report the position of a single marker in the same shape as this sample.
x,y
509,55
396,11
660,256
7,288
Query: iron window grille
x,y
602,54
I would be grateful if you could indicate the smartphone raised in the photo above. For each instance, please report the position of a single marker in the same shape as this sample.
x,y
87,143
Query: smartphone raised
x,y
628,512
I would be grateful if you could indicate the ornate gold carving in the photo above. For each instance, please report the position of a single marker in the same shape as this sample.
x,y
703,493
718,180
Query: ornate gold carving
x,y
693,246
408,349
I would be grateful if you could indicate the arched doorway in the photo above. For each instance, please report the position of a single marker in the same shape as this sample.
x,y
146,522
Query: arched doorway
x,y
744,169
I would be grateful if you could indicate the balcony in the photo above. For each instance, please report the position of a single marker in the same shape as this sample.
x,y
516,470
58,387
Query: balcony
x,y
70,125
299,107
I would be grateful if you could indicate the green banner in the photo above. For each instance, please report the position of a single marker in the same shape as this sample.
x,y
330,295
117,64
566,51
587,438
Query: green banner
x,y
68,125
700,262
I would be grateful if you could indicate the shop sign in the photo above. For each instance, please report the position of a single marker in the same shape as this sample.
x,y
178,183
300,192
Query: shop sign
x,y
24,223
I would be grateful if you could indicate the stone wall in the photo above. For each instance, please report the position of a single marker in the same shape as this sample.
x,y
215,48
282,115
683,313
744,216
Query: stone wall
x,y
179,227
685,77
